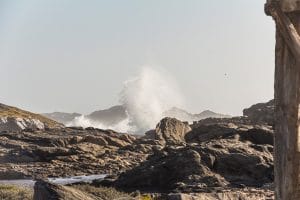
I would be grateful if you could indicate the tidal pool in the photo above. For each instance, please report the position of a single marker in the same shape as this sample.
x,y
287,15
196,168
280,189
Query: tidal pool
x,y
59,181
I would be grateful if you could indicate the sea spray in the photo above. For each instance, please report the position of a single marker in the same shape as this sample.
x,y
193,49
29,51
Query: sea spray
x,y
84,121
145,98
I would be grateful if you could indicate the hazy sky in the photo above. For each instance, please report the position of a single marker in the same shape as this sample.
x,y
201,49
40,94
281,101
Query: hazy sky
x,y
74,55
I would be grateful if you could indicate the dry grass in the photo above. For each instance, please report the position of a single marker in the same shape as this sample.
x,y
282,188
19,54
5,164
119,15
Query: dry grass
x,y
104,193
9,111
10,192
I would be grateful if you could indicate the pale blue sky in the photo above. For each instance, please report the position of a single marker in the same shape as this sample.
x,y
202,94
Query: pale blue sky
x,y
74,55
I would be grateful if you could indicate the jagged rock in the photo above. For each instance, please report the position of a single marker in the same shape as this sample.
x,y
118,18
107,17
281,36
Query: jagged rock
x,y
48,191
169,131
204,133
258,136
261,112
213,158
49,153
95,140
226,156
167,169
118,142
69,152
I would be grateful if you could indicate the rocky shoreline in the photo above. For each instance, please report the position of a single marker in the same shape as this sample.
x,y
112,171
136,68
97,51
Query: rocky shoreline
x,y
225,158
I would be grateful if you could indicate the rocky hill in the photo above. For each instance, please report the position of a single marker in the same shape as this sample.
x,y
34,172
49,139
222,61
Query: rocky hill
x,y
61,117
186,116
261,112
15,119
110,116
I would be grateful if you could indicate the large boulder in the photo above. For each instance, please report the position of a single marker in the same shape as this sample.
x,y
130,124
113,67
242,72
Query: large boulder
x,y
169,131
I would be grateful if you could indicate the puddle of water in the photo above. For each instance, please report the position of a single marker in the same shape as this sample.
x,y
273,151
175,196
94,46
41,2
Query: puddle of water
x,y
59,181
75,179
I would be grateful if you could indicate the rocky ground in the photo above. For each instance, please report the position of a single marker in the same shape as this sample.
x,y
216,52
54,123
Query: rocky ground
x,y
68,152
211,159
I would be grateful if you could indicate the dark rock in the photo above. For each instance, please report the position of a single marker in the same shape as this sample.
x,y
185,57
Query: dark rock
x,y
258,136
204,133
261,112
163,171
218,155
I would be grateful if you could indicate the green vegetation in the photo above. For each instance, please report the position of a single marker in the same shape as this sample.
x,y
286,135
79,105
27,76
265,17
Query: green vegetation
x,y
10,192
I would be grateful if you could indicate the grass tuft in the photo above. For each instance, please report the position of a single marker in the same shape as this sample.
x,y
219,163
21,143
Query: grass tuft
x,y
11,192
104,193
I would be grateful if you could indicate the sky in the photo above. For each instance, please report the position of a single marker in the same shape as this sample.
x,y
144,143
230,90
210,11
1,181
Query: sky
x,y
75,55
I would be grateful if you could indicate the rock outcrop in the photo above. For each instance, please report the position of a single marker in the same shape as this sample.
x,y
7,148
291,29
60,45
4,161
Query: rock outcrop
x,y
215,155
214,158
169,131
15,119
70,152
261,112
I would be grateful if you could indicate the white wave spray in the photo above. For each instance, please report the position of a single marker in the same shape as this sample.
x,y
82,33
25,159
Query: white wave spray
x,y
145,97
84,121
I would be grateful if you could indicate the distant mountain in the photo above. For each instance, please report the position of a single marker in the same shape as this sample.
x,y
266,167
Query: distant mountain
x,y
179,114
15,119
186,116
109,116
210,114
116,114
61,117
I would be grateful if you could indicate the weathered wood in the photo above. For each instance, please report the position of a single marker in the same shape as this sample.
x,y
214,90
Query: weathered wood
x,y
287,101
286,28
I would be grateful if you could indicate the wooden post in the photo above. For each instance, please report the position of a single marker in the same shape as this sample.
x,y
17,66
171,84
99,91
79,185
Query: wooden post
x,y
286,14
